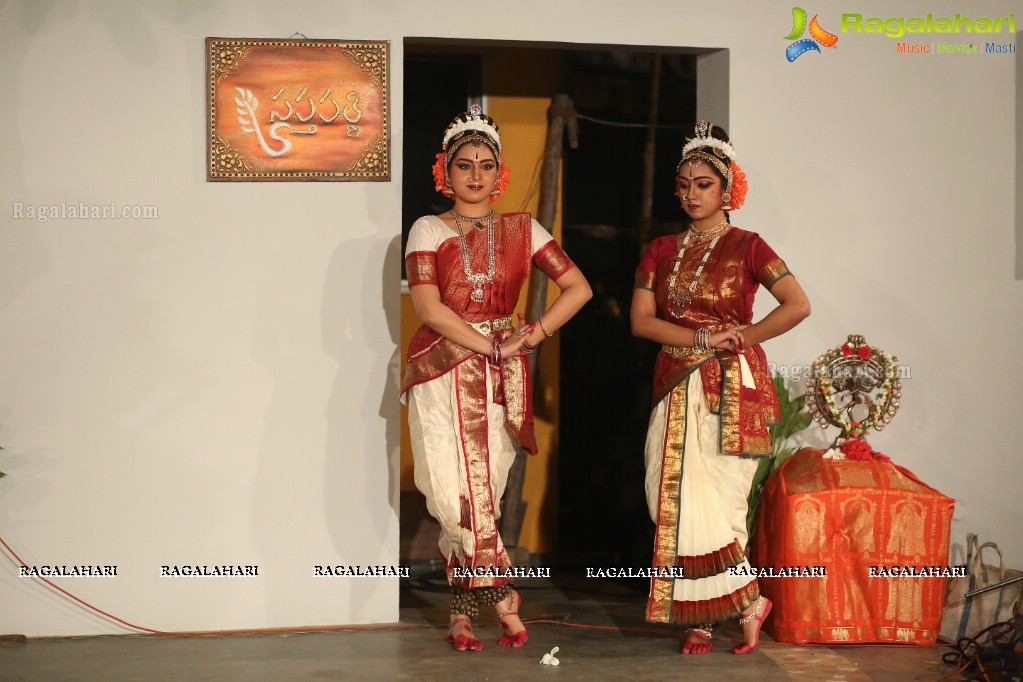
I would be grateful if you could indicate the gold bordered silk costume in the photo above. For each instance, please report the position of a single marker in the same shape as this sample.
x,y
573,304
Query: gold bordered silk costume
x,y
463,412
709,425
741,262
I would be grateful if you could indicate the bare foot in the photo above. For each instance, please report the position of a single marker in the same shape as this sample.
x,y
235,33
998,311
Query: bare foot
x,y
460,634
698,642
515,634
751,620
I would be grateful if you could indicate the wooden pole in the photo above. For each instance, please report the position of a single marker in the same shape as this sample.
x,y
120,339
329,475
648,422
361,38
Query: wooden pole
x,y
649,155
560,115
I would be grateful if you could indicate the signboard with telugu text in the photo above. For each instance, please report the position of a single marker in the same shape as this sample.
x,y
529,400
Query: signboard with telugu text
x,y
297,110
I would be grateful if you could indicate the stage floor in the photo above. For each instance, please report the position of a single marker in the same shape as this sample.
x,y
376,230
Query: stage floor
x,y
613,643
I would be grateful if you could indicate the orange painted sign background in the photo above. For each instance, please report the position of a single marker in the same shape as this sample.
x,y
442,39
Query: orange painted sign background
x,y
297,110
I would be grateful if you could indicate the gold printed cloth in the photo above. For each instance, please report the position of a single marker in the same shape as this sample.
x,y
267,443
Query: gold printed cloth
x,y
740,263
552,260
697,500
849,516
421,268
430,355
479,536
462,453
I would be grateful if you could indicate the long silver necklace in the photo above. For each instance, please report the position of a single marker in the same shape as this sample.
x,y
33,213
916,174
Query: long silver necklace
x,y
679,297
478,280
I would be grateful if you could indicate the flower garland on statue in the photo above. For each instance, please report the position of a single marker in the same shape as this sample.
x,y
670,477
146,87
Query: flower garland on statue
x,y
858,449
440,183
886,396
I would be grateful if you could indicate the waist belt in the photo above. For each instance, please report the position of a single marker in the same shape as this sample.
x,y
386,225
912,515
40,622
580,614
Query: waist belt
x,y
683,352
487,327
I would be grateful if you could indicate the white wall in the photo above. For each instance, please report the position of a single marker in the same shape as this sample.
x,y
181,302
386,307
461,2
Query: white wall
x,y
216,386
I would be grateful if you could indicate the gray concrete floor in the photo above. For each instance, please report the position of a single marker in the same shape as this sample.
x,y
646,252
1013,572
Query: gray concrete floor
x,y
621,647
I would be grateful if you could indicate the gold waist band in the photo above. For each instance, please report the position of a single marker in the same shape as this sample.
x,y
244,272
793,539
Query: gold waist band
x,y
683,352
488,327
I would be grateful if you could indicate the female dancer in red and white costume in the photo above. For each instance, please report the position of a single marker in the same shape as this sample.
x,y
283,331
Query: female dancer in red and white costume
x,y
713,395
467,377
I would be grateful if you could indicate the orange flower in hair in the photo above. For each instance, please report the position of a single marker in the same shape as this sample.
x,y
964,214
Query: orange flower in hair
x,y
739,187
439,182
503,177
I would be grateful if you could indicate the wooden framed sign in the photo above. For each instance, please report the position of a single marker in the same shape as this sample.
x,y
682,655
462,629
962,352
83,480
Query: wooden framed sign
x,y
297,110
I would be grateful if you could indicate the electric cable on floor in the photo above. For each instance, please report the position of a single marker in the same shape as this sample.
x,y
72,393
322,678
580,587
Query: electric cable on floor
x,y
203,633
966,651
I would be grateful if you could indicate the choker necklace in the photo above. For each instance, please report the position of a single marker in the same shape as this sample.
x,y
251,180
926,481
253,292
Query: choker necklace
x,y
475,222
478,279
704,235
680,298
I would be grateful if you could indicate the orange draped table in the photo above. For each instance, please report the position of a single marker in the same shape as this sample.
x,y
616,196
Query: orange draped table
x,y
853,518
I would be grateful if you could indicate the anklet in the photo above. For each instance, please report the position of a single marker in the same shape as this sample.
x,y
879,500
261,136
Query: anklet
x,y
745,619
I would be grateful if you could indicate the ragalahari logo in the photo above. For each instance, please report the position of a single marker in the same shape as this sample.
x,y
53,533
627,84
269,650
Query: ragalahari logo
x,y
817,35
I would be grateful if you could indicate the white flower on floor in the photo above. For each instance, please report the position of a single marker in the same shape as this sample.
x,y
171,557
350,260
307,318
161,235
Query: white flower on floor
x,y
548,659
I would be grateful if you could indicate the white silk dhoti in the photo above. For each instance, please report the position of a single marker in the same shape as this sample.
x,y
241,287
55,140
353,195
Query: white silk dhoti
x,y
697,497
462,481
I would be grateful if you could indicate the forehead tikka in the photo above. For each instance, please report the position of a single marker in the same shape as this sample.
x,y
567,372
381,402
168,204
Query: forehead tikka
x,y
715,152
474,129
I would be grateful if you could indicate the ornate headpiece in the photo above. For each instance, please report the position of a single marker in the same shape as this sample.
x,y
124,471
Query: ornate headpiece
x,y
476,129
721,155
473,120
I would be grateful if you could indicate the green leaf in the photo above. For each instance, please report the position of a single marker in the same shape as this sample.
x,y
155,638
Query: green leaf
x,y
801,421
795,418
781,388
753,501
780,458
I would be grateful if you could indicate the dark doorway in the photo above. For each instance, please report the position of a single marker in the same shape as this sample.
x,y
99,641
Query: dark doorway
x,y
429,113
606,373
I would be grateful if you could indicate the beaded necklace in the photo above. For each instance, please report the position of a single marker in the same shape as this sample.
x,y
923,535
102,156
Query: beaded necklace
x,y
681,297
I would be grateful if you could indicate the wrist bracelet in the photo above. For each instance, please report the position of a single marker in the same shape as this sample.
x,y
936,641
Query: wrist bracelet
x,y
526,348
702,340
545,332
